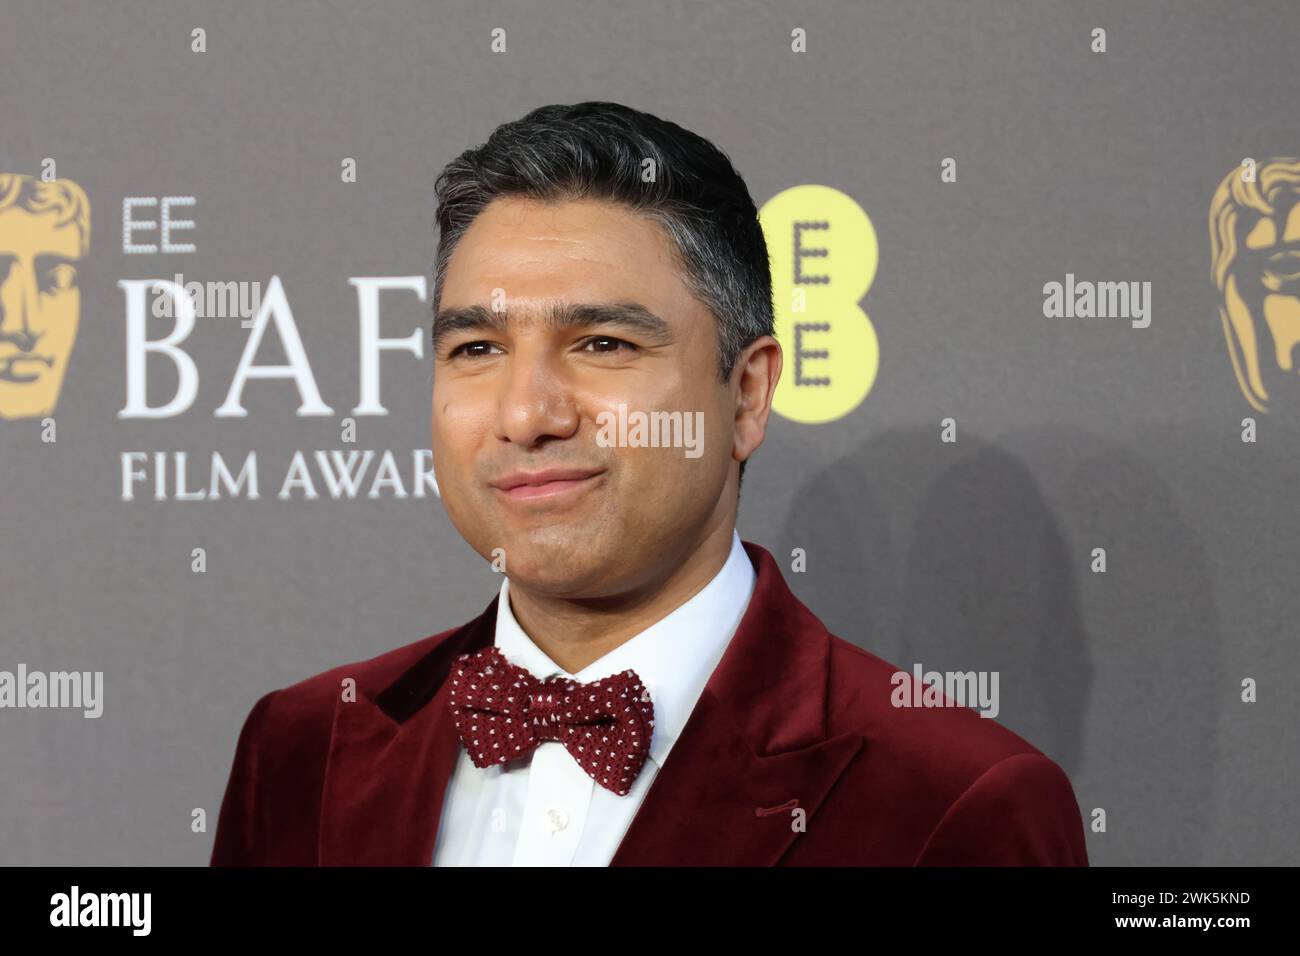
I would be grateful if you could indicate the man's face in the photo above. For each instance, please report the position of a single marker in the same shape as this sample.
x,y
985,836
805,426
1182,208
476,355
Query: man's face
x,y
520,394
39,308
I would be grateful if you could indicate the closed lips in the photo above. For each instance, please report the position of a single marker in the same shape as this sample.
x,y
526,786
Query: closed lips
x,y
517,479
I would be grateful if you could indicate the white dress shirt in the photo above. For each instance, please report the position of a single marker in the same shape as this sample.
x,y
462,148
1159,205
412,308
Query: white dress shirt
x,y
544,810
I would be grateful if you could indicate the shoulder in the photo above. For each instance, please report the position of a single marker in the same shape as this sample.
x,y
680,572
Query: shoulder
x,y
873,696
955,786
308,705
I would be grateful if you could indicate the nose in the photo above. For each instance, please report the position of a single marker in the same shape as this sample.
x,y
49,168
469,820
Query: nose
x,y
536,402
17,296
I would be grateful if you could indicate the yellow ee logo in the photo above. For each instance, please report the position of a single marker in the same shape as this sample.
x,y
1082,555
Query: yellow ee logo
x,y
824,255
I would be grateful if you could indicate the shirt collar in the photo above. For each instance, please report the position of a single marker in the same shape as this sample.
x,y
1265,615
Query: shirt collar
x,y
673,657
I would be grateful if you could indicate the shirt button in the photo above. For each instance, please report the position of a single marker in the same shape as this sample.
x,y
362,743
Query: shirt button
x,y
557,819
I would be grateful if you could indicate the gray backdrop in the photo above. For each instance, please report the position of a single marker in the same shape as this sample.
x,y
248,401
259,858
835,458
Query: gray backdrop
x,y
1072,434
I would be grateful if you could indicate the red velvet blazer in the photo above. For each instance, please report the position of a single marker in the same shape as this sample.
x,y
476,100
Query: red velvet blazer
x,y
792,719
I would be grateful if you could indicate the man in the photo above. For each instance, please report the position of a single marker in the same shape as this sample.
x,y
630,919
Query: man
x,y
644,689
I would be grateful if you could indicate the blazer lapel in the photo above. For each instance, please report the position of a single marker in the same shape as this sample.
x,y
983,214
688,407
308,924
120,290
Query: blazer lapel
x,y
391,755
754,751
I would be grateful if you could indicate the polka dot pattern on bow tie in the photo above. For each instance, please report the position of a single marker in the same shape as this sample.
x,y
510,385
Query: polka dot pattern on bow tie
x,y
502,712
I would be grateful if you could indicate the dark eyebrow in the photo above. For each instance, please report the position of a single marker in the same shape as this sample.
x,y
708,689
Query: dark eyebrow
x,y
626,315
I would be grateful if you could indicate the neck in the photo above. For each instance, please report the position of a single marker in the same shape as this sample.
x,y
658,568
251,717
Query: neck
x,y
575,633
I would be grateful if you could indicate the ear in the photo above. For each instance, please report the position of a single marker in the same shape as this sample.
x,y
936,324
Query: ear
x,y
753,383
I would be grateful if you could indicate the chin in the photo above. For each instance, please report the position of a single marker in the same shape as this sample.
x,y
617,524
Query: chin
x,y
553,582
567,568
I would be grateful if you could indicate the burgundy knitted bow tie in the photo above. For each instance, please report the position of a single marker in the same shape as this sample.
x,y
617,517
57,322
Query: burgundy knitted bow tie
x,y
502,712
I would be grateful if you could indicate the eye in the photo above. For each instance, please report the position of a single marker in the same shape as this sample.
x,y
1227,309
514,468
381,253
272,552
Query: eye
x,y
608,339
463,349
60,278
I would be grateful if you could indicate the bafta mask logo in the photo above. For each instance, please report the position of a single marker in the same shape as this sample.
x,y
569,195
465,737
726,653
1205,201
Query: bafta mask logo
x,y
44,233
1255,262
